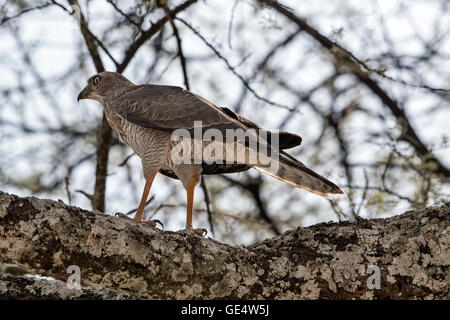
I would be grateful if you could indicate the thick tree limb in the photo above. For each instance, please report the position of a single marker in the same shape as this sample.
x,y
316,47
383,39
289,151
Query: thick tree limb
x,y
325,261
23,287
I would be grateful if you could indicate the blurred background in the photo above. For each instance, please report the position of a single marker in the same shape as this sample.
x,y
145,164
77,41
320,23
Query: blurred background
x,y
365,83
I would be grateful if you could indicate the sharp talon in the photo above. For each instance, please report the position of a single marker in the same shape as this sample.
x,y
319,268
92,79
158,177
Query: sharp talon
x,y
153,223
200,231
160,223
121,215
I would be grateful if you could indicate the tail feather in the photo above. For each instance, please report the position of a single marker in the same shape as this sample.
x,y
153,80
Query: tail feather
x,y
295,173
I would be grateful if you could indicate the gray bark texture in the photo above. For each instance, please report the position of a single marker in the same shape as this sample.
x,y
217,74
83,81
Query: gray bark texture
x,y
121,259
23,287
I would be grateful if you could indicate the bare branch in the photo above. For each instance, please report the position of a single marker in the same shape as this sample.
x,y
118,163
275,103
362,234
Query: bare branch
x,y
24,11
409,134
233,70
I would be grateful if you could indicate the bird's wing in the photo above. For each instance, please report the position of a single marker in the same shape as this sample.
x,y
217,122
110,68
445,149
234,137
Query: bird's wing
x,y
168,108
212,169
286,140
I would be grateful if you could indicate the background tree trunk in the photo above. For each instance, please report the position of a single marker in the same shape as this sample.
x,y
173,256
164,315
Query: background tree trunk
x,y
128,259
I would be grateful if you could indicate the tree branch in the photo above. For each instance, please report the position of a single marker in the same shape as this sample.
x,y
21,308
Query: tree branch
x,y
325,261
6,18
150,33
29,288
180,48
409,135
233,70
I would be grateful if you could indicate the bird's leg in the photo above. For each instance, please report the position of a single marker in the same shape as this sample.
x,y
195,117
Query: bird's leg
x,y
190,203
140,210
190,207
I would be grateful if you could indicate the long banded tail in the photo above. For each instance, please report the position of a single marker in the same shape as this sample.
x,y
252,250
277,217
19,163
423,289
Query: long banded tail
x,y
292,171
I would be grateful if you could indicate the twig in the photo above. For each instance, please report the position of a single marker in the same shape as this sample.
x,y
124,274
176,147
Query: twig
x,y
230,24
39,7
69,197
134,47
114,5
134,210
85,30
87,195
208,202
254,188
233,70
180,48
364,195
124,162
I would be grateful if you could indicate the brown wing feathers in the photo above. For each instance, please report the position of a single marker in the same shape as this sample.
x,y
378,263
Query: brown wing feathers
x,y
286,140
168,108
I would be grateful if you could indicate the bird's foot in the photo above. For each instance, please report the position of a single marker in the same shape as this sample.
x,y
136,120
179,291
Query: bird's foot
x,y
200,231
189,231
122,215
151,223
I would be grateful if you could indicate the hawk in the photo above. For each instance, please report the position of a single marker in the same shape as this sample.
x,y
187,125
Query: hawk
x,y
146,116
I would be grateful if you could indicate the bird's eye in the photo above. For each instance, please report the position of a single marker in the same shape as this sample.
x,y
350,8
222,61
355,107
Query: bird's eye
x,y
96,80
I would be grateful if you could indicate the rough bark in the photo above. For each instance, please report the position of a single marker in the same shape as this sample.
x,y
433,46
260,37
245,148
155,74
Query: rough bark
x,y
325,261
24,287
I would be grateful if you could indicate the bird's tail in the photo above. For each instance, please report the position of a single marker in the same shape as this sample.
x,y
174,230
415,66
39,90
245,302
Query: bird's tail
x,y
290,170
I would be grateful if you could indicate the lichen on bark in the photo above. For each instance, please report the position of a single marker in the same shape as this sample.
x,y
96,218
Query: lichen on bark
x,y
325,261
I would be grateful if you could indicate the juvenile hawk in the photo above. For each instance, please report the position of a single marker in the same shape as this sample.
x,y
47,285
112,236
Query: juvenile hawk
x,y
145,116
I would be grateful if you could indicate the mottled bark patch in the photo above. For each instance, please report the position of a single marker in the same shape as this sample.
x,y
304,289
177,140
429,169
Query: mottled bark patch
x,y
325,261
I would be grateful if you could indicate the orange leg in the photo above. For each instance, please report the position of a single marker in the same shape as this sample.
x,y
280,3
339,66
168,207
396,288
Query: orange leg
x,y
140,210
190,203
190,208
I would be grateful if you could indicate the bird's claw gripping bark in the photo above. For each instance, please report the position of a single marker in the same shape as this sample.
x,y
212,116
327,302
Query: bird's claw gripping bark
x,y
200,231
152,223
121,215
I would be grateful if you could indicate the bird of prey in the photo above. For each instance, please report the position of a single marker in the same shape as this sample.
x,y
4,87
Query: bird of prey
x,y
146,116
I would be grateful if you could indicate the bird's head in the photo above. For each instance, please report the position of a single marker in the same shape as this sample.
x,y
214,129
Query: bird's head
x,y
103,84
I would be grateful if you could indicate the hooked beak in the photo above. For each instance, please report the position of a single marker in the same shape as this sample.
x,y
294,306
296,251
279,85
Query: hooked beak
x,y
84,93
